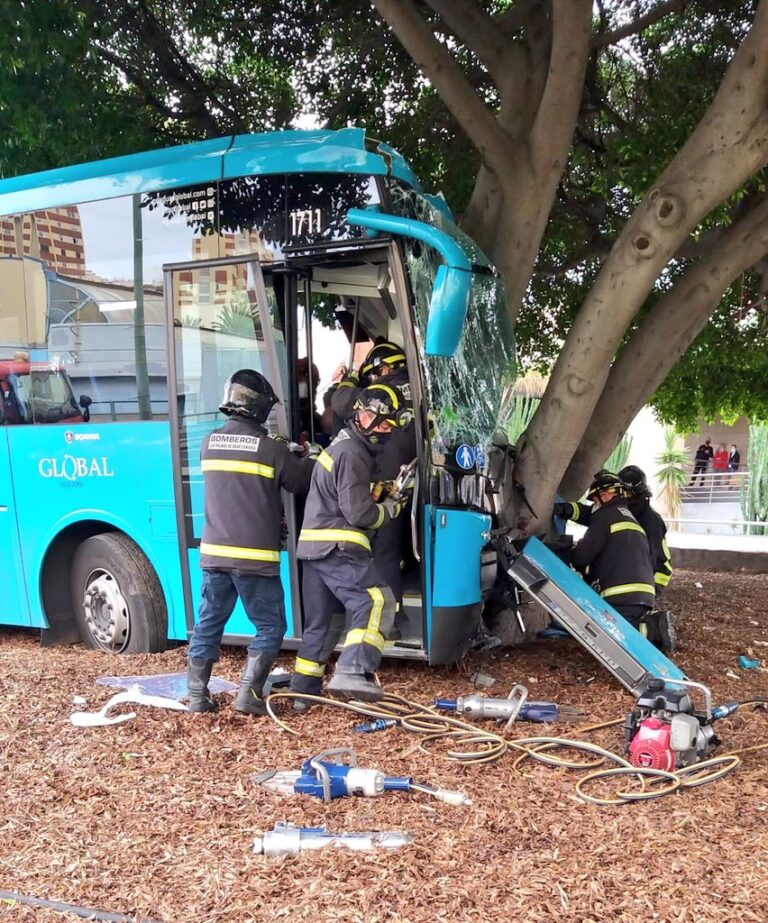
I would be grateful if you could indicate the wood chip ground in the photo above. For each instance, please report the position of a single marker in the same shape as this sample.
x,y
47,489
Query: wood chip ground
x,y
155,818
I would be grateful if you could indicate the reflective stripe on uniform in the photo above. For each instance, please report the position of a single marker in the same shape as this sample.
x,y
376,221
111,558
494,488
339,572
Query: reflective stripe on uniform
x,y
628,588
309,667
245,554
347,384
334,535
575,511
661,579
325,460
374,619
370,634
364,636
627,526
238,467
667,555
379,518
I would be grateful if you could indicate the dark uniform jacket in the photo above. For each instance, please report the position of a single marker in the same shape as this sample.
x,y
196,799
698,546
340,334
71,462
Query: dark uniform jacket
x,y
400,448
655,531
244,470
339,511
615,549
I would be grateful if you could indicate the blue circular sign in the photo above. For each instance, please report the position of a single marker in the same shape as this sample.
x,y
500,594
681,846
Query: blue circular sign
x,y
465,457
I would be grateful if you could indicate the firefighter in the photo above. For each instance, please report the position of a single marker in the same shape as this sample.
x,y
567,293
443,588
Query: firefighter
x,y
659,623
659,627
615,552
335,547
385,363
244,471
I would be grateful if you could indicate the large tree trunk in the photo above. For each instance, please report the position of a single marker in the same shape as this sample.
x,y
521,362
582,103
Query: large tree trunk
x,y
662,337
526,154
728,146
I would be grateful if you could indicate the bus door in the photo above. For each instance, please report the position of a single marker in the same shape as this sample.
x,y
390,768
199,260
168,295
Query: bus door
x,y
14,604
223,317
459,564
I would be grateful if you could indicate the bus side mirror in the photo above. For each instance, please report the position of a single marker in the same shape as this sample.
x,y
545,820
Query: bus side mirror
x,y
85,402
453,282
447,310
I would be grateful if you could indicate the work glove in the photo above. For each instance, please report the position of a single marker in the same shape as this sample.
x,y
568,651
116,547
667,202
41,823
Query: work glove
x,y
392,507
563,510
312,449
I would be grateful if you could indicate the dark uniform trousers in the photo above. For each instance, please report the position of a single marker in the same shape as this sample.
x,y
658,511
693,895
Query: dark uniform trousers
x,y
264,604
332,585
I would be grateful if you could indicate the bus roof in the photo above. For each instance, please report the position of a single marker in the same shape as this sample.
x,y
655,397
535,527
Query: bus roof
x,y
344,151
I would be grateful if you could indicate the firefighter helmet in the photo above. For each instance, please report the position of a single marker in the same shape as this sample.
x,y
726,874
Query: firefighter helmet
x,y
633,478
382,355
604,481
387,404
247,393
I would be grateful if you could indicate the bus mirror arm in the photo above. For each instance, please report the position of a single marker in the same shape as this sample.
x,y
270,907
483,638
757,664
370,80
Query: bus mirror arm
x,y
453,282
85,402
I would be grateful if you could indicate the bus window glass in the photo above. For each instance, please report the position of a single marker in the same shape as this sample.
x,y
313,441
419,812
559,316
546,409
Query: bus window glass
x,y
94,318
219,328
467,390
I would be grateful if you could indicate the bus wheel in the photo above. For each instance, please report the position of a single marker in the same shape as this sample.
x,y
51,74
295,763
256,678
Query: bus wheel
x,y
118,603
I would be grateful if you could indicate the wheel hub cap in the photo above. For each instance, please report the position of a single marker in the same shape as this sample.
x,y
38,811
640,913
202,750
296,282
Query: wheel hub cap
x,y
106,610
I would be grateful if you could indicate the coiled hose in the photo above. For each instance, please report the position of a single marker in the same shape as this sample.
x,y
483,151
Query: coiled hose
x,y
470,744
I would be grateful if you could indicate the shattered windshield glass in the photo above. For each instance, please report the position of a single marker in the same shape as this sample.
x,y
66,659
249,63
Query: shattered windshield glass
x,y
467,391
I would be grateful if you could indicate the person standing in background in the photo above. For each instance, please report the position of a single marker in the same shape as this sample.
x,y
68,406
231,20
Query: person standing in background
x,y
720,465
701,461
734,460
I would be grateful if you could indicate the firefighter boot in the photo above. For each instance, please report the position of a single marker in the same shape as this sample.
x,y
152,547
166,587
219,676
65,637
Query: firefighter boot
x,y
359,686
248,699
198,674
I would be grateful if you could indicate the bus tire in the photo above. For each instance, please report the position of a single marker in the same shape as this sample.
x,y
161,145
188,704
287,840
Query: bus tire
x,y
117,599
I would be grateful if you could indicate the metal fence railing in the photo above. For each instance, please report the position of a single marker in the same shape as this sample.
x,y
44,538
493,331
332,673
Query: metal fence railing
x,y
715,486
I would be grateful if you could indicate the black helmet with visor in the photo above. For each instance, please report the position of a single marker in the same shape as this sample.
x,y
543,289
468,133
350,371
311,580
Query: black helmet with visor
x,y
247,393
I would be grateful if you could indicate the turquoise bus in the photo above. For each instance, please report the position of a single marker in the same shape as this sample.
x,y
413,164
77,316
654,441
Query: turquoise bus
x,y
131,288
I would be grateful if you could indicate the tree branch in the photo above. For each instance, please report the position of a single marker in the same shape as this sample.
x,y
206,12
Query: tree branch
x,y
632,28
555,121
449,82
666,332
473,27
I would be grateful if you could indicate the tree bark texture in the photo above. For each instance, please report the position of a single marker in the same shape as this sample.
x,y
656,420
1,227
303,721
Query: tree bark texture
x,y
524,147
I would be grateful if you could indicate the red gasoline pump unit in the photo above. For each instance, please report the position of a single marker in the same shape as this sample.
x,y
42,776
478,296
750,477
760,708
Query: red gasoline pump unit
x,y
663,730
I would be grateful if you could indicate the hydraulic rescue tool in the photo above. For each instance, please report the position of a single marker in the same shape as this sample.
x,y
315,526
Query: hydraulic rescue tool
x,y
515,707
289,840
335,774
399,487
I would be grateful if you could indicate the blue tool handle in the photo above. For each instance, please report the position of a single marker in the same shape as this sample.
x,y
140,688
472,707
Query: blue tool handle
x,y
397,783
544,712
445,704
380,724
722,711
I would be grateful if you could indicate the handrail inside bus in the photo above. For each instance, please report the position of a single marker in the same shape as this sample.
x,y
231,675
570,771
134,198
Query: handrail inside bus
x,y
453,283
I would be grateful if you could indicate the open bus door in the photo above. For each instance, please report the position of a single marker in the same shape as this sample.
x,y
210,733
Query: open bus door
x,y
14,604
223,317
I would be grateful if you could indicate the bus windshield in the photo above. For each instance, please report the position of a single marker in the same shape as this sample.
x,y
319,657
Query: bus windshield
x,y
467,390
